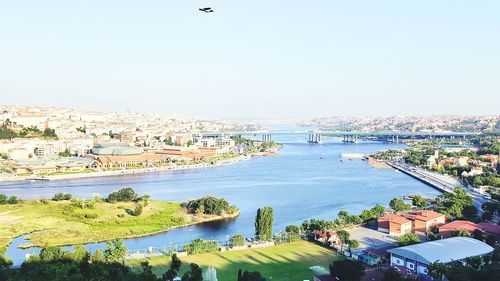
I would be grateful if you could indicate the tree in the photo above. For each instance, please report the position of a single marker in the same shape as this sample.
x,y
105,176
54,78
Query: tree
x,y
126,194
194,274
115,251
264,223
419,201
252,276
209,205
49,133
199,246
147,272
292,229
353,244
478,234
437,270
491,240
433,233
4,262
378,211
137,210
293,232
61,196
344,237
145,198
4,200
175,265
348,270
408,239
65,153
237,240
398,205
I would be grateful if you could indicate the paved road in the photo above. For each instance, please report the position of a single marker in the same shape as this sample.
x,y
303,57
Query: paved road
x,y
442,182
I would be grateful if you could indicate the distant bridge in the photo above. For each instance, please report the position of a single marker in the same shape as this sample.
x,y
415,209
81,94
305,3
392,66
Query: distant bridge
x,y
355,137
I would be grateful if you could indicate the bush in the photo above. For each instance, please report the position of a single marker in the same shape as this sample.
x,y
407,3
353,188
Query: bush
x,y
408,239
126,194
237,240
61,196
210,205
4,200
137,210
199,246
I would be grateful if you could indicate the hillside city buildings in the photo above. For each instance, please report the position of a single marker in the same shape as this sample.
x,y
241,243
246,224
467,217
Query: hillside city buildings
x,y
97,141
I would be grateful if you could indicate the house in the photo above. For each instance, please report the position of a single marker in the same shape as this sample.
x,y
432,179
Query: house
x,y
418,222
417,257
49,165
326,236
190,154
423,220
432,160
394,224
447,230
461,161
123,161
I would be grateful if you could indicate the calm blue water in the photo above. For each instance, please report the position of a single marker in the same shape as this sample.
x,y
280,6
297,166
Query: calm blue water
x,y
296,183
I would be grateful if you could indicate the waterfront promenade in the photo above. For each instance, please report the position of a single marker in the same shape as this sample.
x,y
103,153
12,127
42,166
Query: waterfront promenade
x,y
440,182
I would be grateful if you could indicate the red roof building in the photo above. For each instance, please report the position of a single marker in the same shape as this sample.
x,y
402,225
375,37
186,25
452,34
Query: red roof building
x,y
446,230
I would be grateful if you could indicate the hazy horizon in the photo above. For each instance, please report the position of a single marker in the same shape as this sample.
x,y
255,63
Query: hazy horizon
x,y
259,59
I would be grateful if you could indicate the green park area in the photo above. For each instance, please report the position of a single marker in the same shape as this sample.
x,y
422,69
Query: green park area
x,y
68,221
282,262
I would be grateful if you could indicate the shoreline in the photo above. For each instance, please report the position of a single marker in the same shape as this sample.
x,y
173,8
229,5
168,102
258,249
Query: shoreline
x,y
161,169
204,220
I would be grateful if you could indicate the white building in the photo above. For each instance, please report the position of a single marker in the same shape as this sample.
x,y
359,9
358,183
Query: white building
x,y
418,257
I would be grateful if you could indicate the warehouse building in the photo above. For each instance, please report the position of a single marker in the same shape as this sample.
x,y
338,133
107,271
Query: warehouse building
x,y
417,257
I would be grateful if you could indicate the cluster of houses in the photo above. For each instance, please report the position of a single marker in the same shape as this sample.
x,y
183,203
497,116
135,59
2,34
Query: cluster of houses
x,y
37,156
415,259
477,165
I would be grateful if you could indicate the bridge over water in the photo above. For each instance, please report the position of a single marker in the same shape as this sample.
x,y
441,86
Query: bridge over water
x,y
354,136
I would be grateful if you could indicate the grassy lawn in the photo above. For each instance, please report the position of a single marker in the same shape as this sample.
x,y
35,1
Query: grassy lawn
x,y
282,262
55,223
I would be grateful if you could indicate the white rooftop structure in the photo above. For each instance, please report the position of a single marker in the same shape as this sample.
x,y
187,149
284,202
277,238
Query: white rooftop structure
x,y
444,251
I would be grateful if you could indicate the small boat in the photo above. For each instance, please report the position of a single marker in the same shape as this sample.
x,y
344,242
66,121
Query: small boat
x,y
321,158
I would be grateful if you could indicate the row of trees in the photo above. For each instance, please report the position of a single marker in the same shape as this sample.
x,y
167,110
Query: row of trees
x,y
56,264
6,132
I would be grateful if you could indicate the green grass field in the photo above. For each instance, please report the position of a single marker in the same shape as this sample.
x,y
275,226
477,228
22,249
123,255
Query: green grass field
x,y
55,223
282,262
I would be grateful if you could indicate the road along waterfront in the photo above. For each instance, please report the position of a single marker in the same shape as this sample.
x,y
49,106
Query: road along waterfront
x,y
303,181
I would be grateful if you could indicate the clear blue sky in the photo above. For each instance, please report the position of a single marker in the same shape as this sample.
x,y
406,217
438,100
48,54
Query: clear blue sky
x,y
253,58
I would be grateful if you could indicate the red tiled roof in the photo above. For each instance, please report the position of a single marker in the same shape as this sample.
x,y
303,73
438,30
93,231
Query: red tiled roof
x,y
424,215
393,218
459,225
470,226
489,227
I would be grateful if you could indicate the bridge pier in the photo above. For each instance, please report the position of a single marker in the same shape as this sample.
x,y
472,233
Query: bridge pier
x,y
314,138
